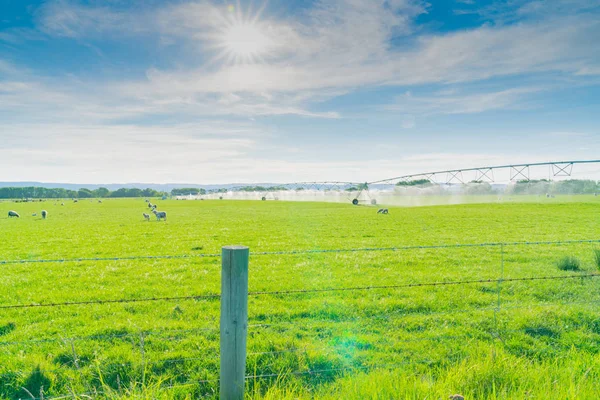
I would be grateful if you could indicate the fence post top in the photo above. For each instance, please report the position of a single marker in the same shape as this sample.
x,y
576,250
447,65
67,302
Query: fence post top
x,y
235,247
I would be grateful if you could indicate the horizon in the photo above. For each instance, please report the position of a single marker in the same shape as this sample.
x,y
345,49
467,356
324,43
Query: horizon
x,y
554,170
288,91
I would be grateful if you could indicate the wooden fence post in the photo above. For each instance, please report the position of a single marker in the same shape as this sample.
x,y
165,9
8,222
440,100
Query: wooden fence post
x,y
234,321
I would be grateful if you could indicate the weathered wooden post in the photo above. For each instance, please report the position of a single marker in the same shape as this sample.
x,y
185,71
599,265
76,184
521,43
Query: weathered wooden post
x,y
234,321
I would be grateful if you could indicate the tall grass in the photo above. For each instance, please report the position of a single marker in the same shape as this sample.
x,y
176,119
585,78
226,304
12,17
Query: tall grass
x,y
569,263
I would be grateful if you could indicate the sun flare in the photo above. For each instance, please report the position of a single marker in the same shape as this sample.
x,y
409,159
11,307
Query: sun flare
x,y
245,41
242,39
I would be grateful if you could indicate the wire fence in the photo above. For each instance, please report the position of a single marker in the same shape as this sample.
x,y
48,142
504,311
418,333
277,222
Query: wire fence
x,y
214,296
303,251
490,332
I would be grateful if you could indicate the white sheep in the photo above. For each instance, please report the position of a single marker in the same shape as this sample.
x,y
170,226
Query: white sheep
x,y
12,213
160,214
146,216
44,214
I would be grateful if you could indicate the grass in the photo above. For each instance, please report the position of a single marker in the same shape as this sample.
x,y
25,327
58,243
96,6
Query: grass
x,y
421,342
569,263
597,257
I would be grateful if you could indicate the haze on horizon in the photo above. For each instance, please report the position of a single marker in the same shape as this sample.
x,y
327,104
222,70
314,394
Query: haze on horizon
x,y
251,91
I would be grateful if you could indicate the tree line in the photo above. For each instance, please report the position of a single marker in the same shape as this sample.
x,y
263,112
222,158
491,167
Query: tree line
x,y
572,186
543,186
33,192
535,187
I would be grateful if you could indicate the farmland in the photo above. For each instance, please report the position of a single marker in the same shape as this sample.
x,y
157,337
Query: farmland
x,y
486,340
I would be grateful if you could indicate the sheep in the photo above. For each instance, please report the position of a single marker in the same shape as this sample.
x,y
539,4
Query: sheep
x,y
34,215
160,214
146,216
150,205
44,214
154,206
12,213
382,211
100,201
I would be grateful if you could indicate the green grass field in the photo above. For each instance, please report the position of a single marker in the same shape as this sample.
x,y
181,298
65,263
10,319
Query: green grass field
x,y
509,340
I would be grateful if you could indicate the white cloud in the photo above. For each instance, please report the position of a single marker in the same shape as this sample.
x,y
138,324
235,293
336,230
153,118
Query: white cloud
x,y
335,47
451,102
74,20
332,52
124,152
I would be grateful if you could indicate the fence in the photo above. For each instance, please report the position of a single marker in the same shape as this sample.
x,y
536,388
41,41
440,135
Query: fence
x,y
476,304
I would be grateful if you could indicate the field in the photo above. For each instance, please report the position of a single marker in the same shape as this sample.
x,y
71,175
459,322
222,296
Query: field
x,y
488,340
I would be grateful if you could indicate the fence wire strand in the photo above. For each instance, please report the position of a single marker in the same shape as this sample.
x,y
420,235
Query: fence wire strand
x,y
299,291
305,251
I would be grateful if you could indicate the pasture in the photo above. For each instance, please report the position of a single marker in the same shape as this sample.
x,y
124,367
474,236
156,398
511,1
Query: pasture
x,y
485,340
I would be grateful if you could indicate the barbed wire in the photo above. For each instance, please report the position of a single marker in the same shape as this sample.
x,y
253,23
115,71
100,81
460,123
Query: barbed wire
x,y
294,292
306,251
421,314
423,247
423,284
126,258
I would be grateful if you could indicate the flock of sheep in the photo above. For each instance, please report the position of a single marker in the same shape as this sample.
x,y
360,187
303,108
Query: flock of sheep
x,y
14,214
44,213
159,214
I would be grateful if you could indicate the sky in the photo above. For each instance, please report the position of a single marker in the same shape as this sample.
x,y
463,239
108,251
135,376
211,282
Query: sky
x,y
117,91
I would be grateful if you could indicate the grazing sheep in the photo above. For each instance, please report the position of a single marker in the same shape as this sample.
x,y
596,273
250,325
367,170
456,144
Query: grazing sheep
x,y
34,215
382,211
150,205
160,214
154,206
12,213
146,216
44,214
62,204
100,201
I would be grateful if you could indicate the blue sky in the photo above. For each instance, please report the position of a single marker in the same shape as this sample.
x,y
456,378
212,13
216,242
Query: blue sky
x,y
283,91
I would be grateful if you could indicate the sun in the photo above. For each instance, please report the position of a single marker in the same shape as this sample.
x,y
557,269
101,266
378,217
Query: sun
x,y
245,41
241,39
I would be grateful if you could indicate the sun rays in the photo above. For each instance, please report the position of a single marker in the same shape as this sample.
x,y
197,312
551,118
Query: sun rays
x,y
241,37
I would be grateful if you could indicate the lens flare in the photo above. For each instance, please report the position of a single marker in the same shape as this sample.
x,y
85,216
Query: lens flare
x,y
240,37
245,41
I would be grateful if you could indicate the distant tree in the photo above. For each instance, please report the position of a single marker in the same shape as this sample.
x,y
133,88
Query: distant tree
x,y
84,193
479,188
101,192
276,188
253,189
416,182
187,191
